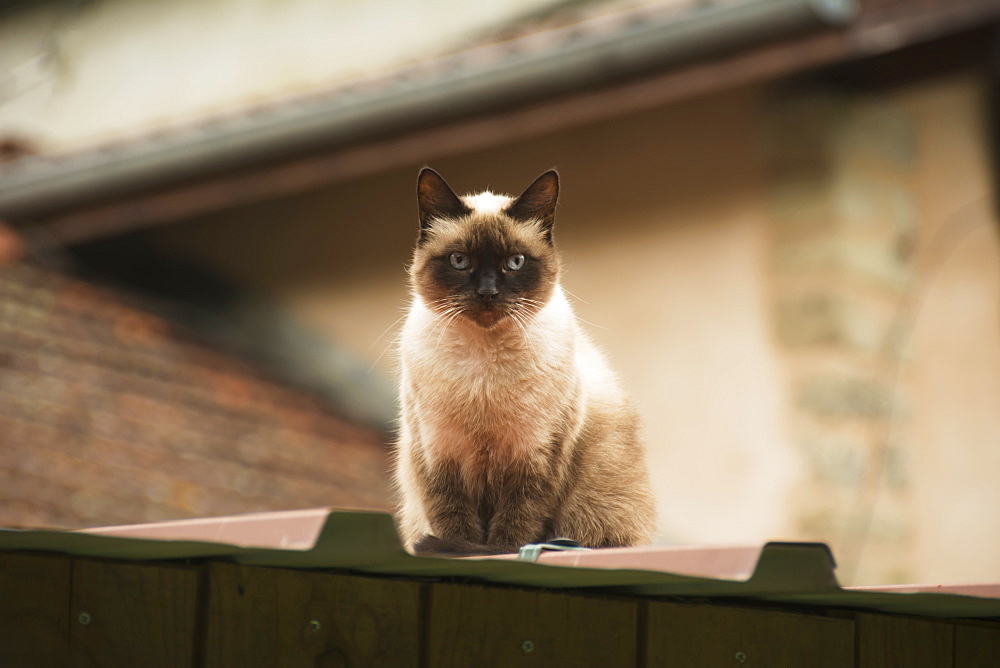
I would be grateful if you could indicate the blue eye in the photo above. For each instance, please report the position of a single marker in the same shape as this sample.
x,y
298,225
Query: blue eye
x,y
515,262
460,260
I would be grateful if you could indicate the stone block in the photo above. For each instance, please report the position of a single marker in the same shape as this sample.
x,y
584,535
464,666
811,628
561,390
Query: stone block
x,y
801,203
868,261
876,128
823,319
896,471
845,397
834,459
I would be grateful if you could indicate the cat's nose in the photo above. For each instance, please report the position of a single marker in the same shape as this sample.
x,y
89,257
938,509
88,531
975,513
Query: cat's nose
x,y
487,286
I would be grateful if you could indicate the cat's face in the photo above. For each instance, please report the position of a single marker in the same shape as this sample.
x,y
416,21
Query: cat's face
x,y
490,258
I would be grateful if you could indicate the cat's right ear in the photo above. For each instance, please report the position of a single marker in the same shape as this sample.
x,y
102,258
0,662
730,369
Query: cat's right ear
x,y
436,199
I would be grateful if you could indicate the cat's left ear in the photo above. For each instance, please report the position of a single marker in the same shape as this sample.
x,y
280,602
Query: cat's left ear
x,y
538,202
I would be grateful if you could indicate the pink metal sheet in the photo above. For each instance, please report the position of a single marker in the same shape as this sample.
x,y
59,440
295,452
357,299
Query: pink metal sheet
x,y
300,529
290,530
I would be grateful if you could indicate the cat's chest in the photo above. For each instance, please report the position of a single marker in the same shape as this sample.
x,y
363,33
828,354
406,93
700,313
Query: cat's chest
x,y
471,403
484,384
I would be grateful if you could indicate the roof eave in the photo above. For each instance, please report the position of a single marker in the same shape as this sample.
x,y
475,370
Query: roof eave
x,y
455,86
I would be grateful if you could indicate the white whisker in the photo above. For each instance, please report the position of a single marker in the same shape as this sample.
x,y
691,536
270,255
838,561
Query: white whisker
x,y
391,343
592,324
579,299
386,330
517,317
453,313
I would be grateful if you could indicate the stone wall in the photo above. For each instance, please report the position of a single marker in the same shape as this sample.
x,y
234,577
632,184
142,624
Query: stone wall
x,y
843,228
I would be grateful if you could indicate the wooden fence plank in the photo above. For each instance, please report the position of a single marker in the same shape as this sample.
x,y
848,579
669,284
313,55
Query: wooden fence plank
x,y
126,614
34,609
491,626
269,617
710,635
977,646
885,641
242,616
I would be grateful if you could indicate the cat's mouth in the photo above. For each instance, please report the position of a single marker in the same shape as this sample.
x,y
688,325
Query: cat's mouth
x,y
486,315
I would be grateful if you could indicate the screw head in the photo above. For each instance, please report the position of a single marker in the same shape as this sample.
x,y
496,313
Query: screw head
x,y
527,647
741,657
84,618
314,625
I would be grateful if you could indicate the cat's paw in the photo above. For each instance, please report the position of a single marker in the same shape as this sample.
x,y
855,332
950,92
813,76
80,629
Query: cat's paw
x,y
432,545
456,547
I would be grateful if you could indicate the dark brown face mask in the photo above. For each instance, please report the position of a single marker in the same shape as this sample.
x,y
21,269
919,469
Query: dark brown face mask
x,y
485,266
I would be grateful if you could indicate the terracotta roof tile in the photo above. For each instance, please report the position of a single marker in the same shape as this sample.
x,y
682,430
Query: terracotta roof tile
x,y
110,414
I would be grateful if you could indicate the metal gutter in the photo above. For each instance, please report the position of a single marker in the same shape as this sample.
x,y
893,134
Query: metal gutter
x,y
498,75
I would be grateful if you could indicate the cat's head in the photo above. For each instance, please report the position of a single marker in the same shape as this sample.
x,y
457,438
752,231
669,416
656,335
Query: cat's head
x,y
487,258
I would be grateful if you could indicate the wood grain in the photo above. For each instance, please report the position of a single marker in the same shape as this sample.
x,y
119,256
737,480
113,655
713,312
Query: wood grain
x,y
126,614
886,641
710,635
977,646
34,610
270,617
489,626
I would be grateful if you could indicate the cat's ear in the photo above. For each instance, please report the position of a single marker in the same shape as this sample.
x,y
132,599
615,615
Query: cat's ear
x,y
538,202
436,199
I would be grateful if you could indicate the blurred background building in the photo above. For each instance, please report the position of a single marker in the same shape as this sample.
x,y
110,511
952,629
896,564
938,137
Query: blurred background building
x,y
778,217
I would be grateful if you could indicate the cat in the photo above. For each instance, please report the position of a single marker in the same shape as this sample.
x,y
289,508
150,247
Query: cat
x,y
513,429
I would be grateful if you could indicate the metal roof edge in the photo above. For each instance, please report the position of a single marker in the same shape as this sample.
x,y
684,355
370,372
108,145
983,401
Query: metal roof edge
x,y
786,573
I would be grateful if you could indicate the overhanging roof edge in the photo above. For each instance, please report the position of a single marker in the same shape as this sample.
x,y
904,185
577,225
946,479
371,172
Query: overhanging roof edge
x,y
449,87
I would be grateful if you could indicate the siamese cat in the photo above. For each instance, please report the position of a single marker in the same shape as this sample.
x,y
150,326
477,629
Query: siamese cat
x,y
513,428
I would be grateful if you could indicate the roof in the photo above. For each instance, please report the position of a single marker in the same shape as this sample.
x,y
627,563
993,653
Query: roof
x,y
367,542
574,64
574,46
110,414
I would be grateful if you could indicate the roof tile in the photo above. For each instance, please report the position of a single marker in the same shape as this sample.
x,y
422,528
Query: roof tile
x,y
110,414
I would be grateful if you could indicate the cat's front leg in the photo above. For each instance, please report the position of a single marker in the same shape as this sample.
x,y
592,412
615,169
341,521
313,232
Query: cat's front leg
x,y
522,500
451,512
